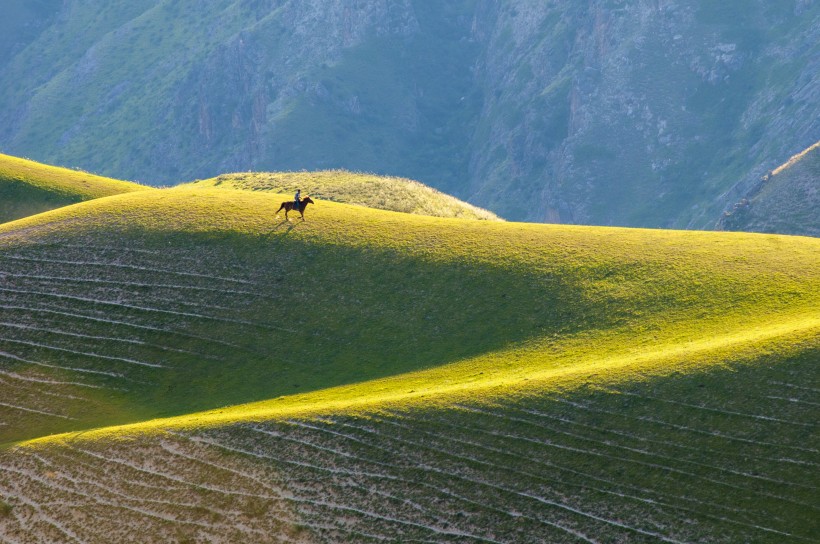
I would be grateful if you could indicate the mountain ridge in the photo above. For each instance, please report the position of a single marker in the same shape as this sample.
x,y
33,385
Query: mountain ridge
x,y
785,200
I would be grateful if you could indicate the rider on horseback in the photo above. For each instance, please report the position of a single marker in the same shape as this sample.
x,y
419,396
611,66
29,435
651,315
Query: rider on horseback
x,y
298,203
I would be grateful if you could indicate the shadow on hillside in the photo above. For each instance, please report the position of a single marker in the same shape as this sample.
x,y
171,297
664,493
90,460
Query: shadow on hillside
x,y
153,325
180,323
285,226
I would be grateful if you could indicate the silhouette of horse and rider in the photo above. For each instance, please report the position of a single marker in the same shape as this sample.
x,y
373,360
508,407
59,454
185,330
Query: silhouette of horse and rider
x,y
298,203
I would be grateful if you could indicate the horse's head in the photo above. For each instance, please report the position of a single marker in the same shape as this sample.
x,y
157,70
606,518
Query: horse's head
x,y
307,200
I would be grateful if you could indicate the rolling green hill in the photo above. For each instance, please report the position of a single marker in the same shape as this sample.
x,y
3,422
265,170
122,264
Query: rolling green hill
x,y
380,192
28,188
367,375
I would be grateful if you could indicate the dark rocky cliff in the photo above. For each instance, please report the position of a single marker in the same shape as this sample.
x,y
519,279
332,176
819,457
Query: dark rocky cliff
x,y
658,113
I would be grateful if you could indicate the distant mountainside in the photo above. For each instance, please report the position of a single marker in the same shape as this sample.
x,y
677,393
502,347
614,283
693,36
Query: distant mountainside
x,y
786,199
626,112
28,188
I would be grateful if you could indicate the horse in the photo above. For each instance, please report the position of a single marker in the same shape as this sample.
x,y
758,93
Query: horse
x,y
288,206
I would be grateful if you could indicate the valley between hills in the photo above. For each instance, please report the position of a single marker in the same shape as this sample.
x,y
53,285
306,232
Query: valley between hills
x,y
185,365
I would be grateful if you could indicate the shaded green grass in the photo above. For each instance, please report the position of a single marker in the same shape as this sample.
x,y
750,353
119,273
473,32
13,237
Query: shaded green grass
x,y
28,188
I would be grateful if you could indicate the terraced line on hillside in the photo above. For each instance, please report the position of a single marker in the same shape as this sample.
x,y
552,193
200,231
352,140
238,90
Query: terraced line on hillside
x,y
493,375
34,332
482,472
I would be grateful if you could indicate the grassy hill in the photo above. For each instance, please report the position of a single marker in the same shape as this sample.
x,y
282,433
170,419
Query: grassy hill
x,y
380,192
398,376
28,188
786,200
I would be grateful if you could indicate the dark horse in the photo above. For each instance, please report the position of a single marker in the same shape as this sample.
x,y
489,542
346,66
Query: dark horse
x,y
288,207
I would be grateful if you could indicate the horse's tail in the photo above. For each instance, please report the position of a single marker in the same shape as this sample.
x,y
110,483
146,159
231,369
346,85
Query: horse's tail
x,y
280,209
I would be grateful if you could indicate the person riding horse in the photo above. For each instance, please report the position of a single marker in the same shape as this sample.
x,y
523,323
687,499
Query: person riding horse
x,y
297,198
299,204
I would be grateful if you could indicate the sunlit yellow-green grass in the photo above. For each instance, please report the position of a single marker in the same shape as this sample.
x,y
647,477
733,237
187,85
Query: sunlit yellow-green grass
x,y
28,187
381,192
377,307
504,375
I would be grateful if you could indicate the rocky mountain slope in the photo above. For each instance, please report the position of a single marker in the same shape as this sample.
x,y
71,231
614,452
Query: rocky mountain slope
x,y
622,112
787,199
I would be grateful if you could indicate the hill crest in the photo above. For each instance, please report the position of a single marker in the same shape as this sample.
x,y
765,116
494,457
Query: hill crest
x,y
28,187
380,192
392,294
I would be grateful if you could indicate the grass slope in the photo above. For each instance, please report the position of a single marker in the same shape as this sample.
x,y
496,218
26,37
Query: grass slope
x,y
381,192
787,201
414,377
204,300
28,188
720,456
